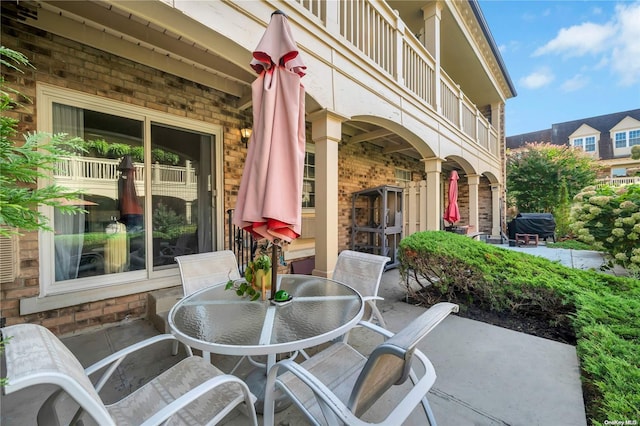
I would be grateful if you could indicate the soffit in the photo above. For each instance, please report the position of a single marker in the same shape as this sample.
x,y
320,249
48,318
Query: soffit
x,y
148,42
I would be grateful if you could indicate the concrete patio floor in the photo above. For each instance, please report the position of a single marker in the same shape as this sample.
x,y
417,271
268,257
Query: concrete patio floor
x,y
487,375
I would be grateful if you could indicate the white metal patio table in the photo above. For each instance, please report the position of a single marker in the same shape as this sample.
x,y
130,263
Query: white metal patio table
x,y
218,321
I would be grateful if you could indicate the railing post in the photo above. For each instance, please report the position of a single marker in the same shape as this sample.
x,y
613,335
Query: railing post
x,y
400,29
333,16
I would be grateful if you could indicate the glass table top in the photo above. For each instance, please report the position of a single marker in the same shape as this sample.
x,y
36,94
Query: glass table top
x,y
217,320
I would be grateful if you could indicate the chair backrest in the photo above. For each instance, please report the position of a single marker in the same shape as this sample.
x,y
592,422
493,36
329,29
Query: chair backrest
x,y
362,271
35,356
204,269
390,362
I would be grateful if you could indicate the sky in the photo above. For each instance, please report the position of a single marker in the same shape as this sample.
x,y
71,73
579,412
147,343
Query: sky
x,y
567,59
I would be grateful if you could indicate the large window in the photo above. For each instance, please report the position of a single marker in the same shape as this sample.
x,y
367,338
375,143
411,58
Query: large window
x,y
130,153
588,144
627,138
621,140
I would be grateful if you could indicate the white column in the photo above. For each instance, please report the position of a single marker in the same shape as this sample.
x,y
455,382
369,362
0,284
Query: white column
x,y
326,132
473,181
433,167
495,210
432,15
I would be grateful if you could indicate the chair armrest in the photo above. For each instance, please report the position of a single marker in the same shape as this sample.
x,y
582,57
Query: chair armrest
x,y
200,390
115,359
374,327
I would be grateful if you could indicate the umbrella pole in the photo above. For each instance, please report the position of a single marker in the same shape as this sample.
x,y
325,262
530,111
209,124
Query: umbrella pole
x,y
274,269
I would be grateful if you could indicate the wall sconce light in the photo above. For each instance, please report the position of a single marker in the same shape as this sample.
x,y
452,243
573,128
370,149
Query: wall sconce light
x,y
245,134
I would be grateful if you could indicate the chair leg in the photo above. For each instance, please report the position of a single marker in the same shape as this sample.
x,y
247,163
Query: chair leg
x,y
174,348
376,312
429,412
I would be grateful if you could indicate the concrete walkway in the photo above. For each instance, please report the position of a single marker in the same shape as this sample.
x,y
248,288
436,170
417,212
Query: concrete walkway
x,y
487,375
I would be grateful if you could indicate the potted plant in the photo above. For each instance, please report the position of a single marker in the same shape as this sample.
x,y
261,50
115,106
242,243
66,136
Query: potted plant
x,y
257,277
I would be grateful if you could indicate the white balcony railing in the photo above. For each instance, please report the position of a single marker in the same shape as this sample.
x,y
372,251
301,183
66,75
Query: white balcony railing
x,y
376,31
618,181
99,176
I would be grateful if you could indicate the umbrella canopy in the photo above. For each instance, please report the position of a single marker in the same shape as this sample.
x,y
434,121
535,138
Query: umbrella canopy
x,y
128,202
452,212
269,201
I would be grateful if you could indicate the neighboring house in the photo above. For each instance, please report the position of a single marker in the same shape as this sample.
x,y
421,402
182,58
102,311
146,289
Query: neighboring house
x,y
395,92
608,138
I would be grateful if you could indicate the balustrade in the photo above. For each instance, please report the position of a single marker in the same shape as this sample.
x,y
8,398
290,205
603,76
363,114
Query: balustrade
x,y
378,33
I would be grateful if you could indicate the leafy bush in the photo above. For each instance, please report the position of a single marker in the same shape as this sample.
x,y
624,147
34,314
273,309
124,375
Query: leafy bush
x,y
137,153
609,218
603,310
537,173
167,222
22,165
98,148
118,150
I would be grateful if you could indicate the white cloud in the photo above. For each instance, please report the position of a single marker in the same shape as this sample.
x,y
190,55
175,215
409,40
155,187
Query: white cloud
x,y
625,57
576,82
615,44
579,40
537,79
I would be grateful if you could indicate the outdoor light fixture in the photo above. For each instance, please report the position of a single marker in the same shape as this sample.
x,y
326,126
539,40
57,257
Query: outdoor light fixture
x,y
245,134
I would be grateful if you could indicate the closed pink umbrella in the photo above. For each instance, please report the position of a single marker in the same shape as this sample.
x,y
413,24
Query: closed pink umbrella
x,y
452,212
269,201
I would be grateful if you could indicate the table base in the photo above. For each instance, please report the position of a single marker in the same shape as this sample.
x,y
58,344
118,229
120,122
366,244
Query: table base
x,y
257,380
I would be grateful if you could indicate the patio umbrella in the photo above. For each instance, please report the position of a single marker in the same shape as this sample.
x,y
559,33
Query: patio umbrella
x,y
269,201
452,212
128,202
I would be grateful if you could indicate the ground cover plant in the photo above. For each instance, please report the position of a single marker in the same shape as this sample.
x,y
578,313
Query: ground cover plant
x,y
602,311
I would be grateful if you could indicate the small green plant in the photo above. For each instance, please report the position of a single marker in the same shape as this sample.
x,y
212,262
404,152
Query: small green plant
x,y
243,288
257,269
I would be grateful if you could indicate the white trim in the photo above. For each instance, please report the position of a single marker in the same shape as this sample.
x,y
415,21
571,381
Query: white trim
x,y
68,293
31,305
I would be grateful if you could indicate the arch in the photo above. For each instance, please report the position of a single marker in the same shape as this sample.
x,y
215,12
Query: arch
x,y
419,143
464,163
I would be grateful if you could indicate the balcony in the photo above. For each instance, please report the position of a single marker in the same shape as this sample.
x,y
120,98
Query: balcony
x,y
372,50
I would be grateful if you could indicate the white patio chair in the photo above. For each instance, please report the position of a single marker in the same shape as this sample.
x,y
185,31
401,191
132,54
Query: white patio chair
x,y
338,385
191,392
362,271
204,269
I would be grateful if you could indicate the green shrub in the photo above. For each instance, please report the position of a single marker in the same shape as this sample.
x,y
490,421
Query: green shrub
x,y
118,150
137,154
603,310
609,218
98,148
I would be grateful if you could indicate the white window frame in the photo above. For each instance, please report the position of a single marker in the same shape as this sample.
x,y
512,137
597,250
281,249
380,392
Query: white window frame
x,y
578,143
615,139
586,142
635,139
72,292
309,148
404,179
581,142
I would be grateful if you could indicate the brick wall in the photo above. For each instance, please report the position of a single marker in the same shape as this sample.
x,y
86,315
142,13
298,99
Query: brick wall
x,y
362,166
65,63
